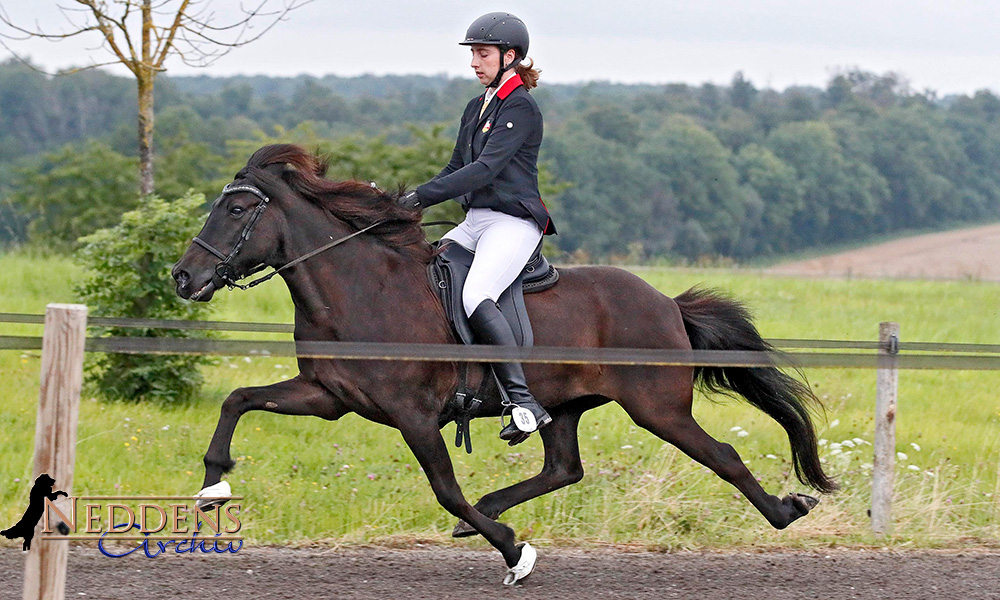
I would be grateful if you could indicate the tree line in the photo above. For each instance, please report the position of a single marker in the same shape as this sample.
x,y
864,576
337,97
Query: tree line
x,y
630,172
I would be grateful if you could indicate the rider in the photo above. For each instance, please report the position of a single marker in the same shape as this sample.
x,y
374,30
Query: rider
x,y
493,173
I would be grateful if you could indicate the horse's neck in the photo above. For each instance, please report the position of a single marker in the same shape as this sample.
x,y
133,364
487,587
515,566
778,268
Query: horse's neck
x,y
360,291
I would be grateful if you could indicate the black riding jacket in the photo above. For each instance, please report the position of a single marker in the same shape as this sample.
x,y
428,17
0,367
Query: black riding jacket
x,y
495,161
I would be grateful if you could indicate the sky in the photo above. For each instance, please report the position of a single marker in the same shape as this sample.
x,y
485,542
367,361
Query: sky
x,y
949,46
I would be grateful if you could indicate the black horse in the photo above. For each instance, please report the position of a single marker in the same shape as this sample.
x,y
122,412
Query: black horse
x,y
374,288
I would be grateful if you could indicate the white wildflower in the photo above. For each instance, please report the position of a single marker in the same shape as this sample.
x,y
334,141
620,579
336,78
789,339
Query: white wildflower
x,y
915,446
901,456
743,433
737,428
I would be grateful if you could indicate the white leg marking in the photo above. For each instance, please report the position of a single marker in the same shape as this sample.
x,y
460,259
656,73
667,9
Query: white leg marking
x,y
523,567
219,490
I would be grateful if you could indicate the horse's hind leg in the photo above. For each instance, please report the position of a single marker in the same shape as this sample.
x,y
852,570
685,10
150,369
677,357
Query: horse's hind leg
x,y
562,467
291,397
670,419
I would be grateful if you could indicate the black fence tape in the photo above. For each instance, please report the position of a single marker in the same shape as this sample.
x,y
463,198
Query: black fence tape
x,y
637,357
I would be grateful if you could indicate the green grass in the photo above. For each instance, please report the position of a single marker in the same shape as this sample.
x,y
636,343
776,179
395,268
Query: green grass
x,y
306,480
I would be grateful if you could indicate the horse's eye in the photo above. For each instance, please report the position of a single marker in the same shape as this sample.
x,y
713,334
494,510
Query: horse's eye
x,y
237,211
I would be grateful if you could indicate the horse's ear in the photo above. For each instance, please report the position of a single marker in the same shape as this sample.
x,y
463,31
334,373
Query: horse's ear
x,y
280,169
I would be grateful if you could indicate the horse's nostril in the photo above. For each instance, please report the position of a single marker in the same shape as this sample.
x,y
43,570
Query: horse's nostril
x,y
181,277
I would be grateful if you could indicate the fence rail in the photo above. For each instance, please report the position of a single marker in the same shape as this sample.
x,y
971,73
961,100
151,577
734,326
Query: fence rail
x,y
865,355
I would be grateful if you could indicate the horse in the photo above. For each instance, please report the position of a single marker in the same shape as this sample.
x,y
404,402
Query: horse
x,y
371,285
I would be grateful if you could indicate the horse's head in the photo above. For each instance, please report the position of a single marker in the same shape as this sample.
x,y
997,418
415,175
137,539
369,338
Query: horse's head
x,y
241,235
248,226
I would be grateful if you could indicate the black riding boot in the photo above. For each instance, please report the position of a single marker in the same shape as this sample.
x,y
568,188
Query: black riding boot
x,y
490,327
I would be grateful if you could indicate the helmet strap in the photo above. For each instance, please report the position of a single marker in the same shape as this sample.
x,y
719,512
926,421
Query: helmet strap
x,y
503,69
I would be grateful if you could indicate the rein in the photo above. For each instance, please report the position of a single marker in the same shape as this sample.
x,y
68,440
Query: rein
x,y
224,269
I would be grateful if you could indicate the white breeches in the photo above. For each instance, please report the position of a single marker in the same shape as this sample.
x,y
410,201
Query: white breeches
x,y
502,243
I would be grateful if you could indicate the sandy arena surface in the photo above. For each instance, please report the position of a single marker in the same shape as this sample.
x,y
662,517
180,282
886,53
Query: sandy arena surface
x,y
449,573
963,254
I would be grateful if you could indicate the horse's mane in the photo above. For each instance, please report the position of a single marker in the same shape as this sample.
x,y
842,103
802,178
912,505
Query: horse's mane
x,y
357,203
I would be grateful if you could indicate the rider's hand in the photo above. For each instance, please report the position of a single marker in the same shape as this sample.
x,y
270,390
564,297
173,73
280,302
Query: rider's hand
x,y
409,201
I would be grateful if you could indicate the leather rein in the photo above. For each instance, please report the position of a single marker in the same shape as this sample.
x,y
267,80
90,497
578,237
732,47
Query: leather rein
x,y
225,271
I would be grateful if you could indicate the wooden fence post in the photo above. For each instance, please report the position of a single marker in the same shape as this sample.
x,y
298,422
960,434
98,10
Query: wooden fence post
x,y
55,437
884,468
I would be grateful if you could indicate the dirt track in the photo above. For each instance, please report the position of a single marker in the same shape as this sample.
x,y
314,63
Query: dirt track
x,y
963,254
448,573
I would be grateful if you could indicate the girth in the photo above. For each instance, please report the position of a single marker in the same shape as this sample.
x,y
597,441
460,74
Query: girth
x,y
447,274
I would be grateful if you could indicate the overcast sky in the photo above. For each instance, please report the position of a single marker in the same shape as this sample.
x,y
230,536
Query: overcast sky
x,y
950,46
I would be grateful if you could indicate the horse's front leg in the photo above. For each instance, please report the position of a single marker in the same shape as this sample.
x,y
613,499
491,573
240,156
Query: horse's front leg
x,y
425,441
291,397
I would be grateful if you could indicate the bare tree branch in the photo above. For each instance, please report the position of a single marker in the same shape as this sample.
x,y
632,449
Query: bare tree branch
x,y
161,54
27,63
37,33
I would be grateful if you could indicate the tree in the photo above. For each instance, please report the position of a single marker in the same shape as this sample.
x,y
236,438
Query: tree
x,y
843,198
742,93
612,123
74,191
142,34
711,200
778,188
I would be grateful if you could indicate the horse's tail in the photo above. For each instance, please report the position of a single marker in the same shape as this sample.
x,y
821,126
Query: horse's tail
x,y
716,322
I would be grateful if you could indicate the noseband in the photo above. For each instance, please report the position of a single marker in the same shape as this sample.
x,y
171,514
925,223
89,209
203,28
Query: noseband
x,y
225,271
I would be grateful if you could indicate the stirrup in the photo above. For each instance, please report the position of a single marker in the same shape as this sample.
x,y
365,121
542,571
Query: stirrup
x,y
513,433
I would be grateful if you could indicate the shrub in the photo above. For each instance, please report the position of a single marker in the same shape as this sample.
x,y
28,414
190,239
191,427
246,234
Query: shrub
x,y
74,191
128,275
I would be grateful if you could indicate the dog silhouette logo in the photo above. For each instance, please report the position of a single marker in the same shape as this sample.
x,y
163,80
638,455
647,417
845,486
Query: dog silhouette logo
x,y
25,528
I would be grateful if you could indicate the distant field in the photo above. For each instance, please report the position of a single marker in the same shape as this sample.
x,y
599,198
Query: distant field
x,y
309,481
972,254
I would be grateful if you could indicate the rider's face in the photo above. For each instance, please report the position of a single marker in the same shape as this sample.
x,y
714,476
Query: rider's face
x,y
486,62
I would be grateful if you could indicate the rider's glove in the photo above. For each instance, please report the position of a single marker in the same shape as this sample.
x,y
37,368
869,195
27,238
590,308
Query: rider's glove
x,y
409,201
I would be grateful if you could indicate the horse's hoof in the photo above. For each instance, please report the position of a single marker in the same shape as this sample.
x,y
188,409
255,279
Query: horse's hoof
x,y
463,529
214,495
803,501
523,567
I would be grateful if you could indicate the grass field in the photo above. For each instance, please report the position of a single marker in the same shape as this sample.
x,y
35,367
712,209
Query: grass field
x,y
306,480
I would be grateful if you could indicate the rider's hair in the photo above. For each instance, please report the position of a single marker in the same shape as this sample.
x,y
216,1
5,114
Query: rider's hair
x,y
529,74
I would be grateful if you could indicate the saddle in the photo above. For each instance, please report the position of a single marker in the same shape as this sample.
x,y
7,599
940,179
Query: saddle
x,y
447,274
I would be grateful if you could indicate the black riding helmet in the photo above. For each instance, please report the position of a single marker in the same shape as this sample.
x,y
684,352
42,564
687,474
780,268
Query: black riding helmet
x,y
503,30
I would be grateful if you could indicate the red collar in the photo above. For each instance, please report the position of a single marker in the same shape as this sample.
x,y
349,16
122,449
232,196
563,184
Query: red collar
x,y
509,86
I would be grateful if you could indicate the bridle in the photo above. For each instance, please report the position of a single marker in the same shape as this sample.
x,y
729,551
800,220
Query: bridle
x,y
225,271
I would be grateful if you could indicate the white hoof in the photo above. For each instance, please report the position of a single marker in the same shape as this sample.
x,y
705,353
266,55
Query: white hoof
x,y
523,567
214,495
